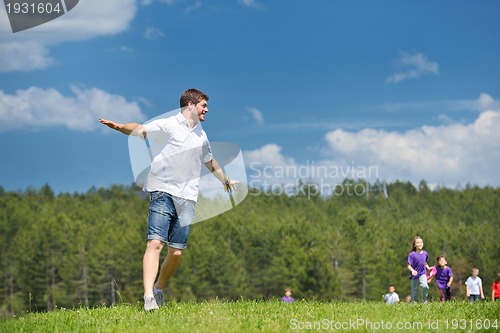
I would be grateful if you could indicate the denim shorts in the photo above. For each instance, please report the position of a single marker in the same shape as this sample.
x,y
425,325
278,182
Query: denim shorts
x,y
169,219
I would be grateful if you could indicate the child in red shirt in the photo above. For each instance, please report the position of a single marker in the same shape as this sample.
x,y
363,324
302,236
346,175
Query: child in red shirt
x,y
495,289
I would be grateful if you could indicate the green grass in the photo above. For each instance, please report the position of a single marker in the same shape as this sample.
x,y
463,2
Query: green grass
x,y
268,316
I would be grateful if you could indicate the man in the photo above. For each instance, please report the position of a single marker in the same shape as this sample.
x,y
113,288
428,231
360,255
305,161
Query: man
x,y
172,183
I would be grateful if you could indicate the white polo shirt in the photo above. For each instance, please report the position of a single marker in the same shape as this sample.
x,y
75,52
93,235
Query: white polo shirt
x,y
178,153
391,298
474,284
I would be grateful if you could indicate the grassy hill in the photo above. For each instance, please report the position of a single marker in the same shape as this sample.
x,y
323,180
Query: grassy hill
x,y
266,316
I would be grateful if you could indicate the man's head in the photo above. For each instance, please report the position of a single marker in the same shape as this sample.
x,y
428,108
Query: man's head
x,y
196,101
392,288
194,96
475,271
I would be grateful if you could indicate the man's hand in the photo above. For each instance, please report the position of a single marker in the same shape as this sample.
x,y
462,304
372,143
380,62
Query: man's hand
x,y
110,124
127,129
230,185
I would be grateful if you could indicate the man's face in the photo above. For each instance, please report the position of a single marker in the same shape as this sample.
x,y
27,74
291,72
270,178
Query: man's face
x,y
201,109
392,289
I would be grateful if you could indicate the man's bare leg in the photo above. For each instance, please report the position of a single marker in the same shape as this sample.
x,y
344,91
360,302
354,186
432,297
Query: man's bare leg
x,y
168,267
150,265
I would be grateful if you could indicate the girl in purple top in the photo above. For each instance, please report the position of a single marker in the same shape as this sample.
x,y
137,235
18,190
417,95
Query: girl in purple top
x,y
417,265
288,296
444,278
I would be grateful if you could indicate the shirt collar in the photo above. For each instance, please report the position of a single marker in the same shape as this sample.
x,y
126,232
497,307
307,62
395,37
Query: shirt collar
x,y
182,120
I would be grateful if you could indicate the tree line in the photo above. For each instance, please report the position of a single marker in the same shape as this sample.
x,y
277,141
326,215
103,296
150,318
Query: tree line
x,y
85,249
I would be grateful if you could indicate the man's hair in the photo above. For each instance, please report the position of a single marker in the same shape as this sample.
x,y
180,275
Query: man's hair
x,y
192,95
438,258
391,285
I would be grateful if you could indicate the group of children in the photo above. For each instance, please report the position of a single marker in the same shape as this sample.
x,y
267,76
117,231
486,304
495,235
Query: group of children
x,y
442,274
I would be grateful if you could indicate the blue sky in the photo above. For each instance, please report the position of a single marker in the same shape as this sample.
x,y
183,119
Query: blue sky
x,y
409,87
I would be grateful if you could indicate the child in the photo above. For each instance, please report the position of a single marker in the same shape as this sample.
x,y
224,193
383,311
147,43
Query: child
x,y
391,297
474,286
495,289
288,296
444,278
417,265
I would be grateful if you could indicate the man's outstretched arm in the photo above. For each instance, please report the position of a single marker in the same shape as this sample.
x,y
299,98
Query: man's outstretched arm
x,y
216,170
128,129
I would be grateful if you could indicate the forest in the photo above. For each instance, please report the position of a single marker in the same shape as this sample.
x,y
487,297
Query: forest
x,y
85,249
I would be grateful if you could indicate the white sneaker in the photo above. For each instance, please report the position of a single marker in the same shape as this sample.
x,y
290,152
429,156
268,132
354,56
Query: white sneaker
x,y
159,296
150,303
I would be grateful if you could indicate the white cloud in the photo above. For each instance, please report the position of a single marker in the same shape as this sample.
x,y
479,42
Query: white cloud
x,y
92,18
256,115
250,3
24,56
145,101
448,154
190,5
415,65
441,155
267,155
124,48
169,2
89,19
194,7
486,102
267,167
152,33
36,108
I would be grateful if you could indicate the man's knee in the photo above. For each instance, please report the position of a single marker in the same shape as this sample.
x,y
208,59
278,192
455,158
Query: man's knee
x,y
154,245
175,253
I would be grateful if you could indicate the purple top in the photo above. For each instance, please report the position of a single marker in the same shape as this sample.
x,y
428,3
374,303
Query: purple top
x,y
287,299
443,276
417,261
